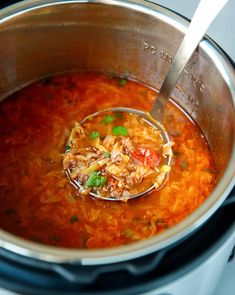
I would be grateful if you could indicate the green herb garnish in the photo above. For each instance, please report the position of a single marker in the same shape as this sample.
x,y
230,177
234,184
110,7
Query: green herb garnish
x,y
107,154
119,130
69,101
95,179
9,211
168,117
36,239
74,218
111,75
46,81
127,233
54,238
161,222
176,153
94,134
119,115
183,165
122,82
209,170
108,119
67,148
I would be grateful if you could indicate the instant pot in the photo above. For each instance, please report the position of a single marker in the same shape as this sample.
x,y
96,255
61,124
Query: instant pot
x,y
136,38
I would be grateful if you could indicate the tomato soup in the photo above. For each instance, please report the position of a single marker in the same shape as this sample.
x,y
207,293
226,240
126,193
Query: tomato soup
x,y
38,202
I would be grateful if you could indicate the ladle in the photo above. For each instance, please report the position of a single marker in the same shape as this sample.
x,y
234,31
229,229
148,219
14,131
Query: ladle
x,y
205,13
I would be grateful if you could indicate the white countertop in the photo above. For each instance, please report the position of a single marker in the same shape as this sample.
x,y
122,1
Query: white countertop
x,y
222,30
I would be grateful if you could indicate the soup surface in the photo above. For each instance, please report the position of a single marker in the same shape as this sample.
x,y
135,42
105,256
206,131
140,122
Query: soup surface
x,y
37,200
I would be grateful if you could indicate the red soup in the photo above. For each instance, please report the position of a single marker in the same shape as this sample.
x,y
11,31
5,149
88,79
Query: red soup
x,y
40,204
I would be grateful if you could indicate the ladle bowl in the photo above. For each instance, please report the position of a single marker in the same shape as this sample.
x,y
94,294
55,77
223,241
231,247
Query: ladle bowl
x,y
151,121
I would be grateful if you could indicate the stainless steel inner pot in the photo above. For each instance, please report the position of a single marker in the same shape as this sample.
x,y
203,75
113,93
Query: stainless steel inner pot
x,y
133,38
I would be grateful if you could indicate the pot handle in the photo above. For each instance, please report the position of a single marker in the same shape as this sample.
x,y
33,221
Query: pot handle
x,y
89,274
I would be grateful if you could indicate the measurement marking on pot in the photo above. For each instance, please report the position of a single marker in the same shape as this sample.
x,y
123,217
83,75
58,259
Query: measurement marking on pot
x,y
151,48
164,55
197,83
194,101
190,100
167,57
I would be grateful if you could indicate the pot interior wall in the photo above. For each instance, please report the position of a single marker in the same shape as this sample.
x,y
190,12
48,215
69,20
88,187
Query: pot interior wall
x,y
124,40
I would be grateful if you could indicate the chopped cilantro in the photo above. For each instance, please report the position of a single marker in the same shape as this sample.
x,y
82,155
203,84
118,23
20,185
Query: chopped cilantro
x,y
95,179
127,233
69,101
183,165
176,153
36,239
119,130
74,218
9,211
161,222
94,134
67,148
209,170
46,81
107,154
111,75
108,119
54,238
122,82
119,115
168,117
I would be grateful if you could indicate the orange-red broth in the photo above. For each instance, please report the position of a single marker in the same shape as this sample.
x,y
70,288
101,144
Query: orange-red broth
x,y
38,202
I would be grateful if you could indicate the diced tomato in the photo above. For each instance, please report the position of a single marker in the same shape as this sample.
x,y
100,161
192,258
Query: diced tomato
x,y
147,156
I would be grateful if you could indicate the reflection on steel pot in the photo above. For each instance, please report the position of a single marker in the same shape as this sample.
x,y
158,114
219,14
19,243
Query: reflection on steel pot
x,y
41,38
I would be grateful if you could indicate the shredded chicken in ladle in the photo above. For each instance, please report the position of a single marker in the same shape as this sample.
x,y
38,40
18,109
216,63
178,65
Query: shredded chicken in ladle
x,y
115,154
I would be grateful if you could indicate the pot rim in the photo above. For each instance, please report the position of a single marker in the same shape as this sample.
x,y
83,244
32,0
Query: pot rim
x,y
178,231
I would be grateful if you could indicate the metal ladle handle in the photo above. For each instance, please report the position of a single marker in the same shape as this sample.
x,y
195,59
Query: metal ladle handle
x,y
205,13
